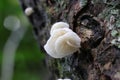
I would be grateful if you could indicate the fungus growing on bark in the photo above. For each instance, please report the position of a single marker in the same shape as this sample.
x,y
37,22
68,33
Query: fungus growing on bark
x,y
62,42
29,11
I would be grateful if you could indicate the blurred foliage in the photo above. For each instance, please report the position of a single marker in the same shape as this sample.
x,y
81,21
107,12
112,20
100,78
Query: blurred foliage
x,y
28,59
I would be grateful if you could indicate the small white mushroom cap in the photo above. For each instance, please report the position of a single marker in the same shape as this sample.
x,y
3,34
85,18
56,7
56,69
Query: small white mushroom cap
x,y
58,25
29,11
62,42
50,45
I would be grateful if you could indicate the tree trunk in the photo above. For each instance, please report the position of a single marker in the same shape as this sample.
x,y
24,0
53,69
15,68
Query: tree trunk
x,y
97,22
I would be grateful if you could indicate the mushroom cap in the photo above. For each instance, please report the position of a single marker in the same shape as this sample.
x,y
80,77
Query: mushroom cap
x,y
62,42
58,25
50,45
29,11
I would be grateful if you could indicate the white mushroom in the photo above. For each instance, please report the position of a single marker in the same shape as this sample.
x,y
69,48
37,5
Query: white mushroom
x,y
50,45
62,42
58,25
29,11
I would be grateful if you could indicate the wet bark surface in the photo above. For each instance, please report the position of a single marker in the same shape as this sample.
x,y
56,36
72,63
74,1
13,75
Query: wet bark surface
x,y
97,22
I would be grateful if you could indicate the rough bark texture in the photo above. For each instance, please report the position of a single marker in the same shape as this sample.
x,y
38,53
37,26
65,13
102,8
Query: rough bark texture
x,y
97,22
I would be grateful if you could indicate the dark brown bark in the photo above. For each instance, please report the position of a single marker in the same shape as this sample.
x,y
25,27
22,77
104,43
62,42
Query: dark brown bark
x,y
96,22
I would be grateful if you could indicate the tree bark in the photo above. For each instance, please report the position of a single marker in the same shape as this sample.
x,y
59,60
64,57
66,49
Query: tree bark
x,y
97,22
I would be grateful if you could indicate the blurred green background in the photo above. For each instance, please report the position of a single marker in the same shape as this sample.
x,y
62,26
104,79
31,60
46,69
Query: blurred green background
x,y
28,57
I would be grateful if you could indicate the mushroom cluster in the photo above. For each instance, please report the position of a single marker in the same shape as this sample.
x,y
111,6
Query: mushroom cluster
x,y
62,42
